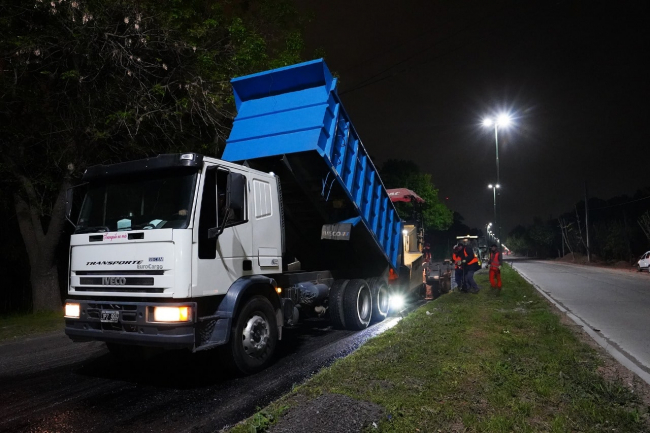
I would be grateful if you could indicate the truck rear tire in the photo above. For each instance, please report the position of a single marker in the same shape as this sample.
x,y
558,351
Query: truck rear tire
x,y
337,291
380,298
357,305
254,336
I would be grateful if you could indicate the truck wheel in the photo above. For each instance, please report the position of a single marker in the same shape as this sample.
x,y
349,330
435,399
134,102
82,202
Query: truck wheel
x,y
445,283
357,305
254,336
380,298
336,303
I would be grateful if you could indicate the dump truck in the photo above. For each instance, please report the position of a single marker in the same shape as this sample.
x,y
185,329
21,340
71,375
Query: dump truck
x,y
185,251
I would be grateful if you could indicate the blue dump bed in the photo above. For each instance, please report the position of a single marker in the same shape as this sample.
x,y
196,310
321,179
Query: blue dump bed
x,y
291,121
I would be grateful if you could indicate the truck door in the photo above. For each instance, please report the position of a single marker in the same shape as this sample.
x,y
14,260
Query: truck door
x,y
267,230
222,259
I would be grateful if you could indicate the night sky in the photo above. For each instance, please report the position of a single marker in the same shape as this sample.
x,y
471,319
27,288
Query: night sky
x,y
417,77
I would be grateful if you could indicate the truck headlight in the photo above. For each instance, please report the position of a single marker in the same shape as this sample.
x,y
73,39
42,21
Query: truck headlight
x,y
72,310
171,314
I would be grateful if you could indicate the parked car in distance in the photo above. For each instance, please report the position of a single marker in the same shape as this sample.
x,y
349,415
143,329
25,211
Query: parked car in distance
x,y
644,262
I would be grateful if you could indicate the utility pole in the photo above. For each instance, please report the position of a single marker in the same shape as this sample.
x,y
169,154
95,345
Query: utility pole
x,y
587,223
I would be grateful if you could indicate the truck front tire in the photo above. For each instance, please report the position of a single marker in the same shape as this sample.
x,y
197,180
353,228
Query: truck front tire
x,y
254,336
357,305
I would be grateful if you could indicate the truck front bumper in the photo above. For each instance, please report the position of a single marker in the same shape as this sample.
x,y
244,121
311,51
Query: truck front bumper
x,y
134,325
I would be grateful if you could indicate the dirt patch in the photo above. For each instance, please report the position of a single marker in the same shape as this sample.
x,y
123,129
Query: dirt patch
x,y
457,427
573,258
329,413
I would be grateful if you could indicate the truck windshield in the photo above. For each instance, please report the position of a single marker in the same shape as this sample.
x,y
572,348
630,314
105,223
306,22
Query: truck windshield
x,y
158,201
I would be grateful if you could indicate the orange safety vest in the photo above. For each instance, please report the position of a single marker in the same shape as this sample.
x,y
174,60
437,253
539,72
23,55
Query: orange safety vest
x,y
494,262
471,262
455,259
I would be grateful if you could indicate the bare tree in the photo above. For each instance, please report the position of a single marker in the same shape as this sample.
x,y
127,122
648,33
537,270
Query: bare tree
x,y
565,228
579,234
644,223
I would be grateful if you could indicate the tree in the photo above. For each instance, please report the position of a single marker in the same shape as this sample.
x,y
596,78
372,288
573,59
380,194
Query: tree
x,y
612,237
406,174
90,81
518,241
541,237
538,239
644,223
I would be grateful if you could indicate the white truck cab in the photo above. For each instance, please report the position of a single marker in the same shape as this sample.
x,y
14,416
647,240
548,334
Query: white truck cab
x,y
157,237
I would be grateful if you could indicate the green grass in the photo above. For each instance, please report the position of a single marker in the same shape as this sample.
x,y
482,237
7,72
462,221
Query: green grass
x,y
24,325
481,363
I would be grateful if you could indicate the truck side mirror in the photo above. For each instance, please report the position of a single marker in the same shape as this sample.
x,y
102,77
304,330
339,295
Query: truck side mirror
x,y
210,190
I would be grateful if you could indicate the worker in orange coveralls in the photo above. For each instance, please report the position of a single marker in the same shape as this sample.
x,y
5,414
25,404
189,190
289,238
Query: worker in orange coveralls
x,y
495,267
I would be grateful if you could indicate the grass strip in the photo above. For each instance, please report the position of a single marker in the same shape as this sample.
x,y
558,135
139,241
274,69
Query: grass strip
x,y
24,325
477,363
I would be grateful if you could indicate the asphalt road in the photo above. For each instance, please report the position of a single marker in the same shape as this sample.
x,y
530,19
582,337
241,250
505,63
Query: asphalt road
x,y
48,383
613,303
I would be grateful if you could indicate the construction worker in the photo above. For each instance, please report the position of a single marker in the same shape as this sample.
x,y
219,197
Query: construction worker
x,y
494,263
470,265
458,268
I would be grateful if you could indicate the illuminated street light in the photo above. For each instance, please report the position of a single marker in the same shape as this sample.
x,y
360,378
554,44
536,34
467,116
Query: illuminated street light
x,y
488,233
494,192
501,121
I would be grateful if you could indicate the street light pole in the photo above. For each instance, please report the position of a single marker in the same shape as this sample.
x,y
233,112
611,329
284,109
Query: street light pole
x,y
501,120
496,223
496,142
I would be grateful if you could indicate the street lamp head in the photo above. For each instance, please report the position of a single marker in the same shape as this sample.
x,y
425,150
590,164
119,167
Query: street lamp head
x,y
503,120
487,122
490,186
497,186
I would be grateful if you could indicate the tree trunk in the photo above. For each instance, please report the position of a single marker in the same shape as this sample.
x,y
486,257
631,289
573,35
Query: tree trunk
x,y
41,247
46,295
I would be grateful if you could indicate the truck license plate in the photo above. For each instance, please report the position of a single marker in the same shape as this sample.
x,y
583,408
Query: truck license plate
x,y
109,316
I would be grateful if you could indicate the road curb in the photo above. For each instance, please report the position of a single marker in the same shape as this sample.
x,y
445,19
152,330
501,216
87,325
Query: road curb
x,y
612,350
